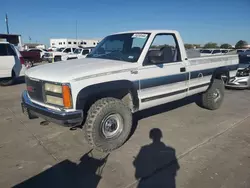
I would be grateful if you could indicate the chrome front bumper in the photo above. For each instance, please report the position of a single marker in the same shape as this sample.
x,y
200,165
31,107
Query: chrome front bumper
x,y
64,118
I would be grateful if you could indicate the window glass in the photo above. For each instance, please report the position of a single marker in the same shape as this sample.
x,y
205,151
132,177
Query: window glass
x,y
69,42
67,50
206,51
216,52
124,47
164,49
77,51
6,50
85,52
74,42
11,50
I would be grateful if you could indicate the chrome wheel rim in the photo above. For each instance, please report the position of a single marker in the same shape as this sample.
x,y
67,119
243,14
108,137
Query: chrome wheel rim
x,y
216,95
112,125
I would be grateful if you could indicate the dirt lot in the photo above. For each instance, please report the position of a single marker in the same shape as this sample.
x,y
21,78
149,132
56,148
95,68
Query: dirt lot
x,y
198,148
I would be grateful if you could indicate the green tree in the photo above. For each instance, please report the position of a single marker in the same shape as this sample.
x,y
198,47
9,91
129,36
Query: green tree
x,y
197,45
189,46
241,44
226,46
211,45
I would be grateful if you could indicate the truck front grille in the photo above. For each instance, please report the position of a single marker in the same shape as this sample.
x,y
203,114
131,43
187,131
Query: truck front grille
x,y
35,89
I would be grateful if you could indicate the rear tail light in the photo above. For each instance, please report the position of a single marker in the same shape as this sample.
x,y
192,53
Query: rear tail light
x,y
22,61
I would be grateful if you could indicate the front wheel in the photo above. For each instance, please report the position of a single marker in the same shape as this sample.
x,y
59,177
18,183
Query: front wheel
x,y
213,97
108,124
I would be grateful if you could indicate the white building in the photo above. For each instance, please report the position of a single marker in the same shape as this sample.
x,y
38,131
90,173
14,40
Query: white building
x,y
63,42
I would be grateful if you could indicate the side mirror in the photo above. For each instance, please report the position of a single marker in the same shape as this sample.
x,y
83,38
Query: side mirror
x,y
154,56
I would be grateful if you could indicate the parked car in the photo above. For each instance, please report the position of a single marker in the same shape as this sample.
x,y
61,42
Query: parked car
x,y
57,55
79,53
41,51
225,51
12,64
208,52
50,49
241,50
31,57
242,77
121,76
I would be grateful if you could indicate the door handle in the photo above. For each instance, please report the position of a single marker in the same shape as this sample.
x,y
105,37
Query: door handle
x,y
134,72
183,69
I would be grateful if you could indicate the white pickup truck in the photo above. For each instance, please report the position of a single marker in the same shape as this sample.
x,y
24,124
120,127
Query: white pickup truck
x,y
58,55
125,73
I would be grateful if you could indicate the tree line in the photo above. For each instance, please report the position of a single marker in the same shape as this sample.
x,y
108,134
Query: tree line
x,y
240,44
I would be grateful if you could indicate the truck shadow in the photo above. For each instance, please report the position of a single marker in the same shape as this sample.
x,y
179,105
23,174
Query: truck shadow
x,y
163,108
69,174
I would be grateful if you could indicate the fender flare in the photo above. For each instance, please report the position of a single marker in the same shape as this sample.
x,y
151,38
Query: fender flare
x,y
105,87
220,71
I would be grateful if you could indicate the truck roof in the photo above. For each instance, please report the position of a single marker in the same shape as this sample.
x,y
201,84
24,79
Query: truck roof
x,y
149,31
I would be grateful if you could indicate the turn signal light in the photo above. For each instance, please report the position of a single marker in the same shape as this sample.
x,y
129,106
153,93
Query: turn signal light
x,y
67,101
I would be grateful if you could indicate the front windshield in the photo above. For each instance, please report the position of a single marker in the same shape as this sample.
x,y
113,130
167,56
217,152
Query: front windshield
x,y
124,47
77,51
60,49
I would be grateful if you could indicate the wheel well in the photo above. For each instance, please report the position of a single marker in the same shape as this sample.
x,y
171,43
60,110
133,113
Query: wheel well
x,y
126,95
13,74
219,73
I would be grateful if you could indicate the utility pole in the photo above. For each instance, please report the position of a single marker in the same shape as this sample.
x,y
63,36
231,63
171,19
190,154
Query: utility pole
x,y
7,23
76,29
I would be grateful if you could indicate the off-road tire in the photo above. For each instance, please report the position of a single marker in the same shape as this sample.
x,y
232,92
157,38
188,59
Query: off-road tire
x,y
93,125
207,98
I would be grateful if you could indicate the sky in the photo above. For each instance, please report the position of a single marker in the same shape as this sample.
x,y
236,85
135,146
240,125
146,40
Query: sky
x,y
198,21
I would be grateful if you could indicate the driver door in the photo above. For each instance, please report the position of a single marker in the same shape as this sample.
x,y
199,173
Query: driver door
x,y
165,79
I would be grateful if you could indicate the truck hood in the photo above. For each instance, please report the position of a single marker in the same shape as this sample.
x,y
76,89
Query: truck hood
x,y
66,71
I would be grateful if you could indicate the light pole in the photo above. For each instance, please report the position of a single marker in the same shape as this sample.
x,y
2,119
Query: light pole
x,y
7,23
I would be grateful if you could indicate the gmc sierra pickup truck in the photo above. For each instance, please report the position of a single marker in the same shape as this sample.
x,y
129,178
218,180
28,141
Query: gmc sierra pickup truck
x,y
127,72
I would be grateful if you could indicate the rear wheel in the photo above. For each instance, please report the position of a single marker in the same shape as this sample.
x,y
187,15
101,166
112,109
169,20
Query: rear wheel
x,y
108,124
213,97
8,81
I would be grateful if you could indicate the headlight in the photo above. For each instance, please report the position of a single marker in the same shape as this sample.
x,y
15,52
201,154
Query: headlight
x,y
58,95
54,100
53,88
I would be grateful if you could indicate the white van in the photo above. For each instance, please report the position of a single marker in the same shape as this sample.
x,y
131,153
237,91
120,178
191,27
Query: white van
x,y
12,64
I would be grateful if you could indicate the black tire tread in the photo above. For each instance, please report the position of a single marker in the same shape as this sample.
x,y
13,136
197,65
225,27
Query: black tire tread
x,y
207,97
93,112
9,82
